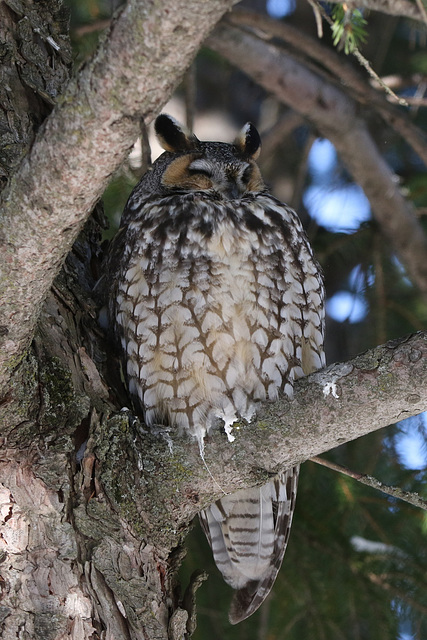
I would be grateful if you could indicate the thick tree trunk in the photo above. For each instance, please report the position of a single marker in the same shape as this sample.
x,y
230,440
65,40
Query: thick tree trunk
x,y
73,564
60,550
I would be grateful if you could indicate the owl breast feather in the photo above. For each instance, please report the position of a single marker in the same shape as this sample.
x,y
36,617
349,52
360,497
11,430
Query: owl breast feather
x,y
209,307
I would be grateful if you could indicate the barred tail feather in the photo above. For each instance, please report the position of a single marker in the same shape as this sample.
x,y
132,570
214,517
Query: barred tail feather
x,y
248,532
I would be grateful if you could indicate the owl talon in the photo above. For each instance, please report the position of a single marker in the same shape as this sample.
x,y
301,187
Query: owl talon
x,y
163,432
228,428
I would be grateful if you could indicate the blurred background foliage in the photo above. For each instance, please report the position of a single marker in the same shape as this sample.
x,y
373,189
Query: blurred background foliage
x,y
356,564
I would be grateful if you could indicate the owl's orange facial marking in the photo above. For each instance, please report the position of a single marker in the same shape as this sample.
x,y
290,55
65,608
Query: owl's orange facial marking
x,y
178,175
255,182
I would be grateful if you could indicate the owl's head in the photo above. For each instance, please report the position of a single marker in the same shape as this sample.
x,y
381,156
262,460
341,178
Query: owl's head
x,y
225,170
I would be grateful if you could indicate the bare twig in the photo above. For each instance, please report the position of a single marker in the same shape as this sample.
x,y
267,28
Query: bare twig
x,y
366,64
318,17
369,481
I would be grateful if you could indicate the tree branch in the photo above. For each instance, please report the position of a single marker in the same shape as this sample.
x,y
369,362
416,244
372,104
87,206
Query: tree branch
x,y
369,481
81,144
330,407
391,7
340,70
334,114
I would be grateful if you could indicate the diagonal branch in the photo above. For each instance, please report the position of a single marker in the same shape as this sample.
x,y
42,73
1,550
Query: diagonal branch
x,y
369,481
339,69
402,8
334,114
81,144
329,408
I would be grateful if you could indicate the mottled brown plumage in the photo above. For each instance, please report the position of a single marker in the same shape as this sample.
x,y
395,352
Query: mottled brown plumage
x,y
218,304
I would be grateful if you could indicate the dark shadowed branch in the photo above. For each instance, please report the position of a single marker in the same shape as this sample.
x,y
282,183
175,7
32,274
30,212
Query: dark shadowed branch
x,y
326,59
334,114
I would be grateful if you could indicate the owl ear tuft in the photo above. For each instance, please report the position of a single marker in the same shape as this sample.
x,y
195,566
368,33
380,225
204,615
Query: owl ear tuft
x,y
248,141
172,135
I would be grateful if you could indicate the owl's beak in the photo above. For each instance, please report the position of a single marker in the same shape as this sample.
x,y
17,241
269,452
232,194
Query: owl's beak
x,y
231,191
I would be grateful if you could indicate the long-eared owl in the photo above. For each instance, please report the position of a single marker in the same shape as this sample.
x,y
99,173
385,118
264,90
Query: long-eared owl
x,y
218,304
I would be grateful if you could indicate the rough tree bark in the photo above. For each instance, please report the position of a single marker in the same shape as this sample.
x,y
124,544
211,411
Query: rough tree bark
x,y
94,509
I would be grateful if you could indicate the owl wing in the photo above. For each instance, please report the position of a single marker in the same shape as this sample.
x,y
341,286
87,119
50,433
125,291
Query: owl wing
x,y
248,532
114,264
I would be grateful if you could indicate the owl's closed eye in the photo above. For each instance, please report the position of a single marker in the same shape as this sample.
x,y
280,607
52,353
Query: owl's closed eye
x,y
208,166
